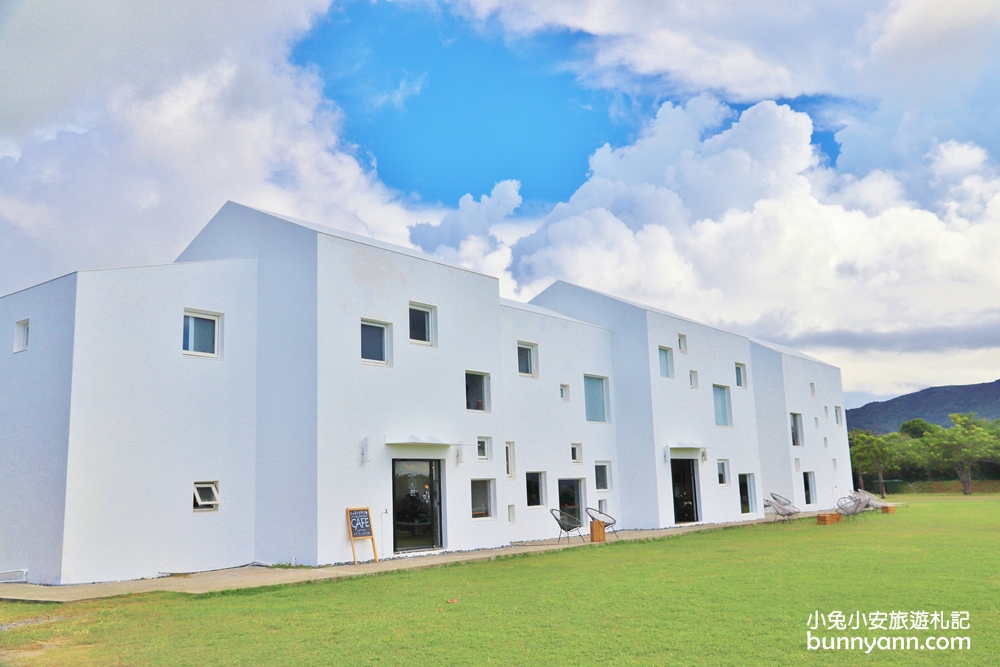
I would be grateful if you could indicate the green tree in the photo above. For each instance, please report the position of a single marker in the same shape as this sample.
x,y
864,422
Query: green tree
x,y
969,441
918,428
860,444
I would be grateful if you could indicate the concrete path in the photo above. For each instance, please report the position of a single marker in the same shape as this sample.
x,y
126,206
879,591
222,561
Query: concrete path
x,y
252,576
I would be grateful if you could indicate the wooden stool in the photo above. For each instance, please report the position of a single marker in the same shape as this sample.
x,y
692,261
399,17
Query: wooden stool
x,y
597,531
827,518
889,510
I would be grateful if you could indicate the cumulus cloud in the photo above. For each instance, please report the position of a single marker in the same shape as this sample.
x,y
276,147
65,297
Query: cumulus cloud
x,y
151,118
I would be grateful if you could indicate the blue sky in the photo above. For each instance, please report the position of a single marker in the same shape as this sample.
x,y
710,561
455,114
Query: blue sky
x,y
823,175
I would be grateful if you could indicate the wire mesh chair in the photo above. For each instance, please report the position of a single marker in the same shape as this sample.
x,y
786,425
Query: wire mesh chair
x,y
850,507
608,520
782,507
873,501
567,524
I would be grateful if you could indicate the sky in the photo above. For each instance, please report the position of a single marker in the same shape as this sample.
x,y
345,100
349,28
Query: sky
x,y
819,174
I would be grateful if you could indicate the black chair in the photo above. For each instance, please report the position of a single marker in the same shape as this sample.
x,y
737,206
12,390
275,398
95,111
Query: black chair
x,y
567,524
608,520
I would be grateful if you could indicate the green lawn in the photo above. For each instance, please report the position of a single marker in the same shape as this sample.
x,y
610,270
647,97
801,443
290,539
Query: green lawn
x,y
733,597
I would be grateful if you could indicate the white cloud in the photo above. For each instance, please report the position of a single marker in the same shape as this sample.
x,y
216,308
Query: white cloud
x,y
153,117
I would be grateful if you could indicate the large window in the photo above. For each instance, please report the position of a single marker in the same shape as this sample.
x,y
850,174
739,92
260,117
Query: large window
x,y
534,483
482,498
602,476
477,391
593,396
21,336
723,409
373,342
809,484
201,334
421,324
666,362
797,435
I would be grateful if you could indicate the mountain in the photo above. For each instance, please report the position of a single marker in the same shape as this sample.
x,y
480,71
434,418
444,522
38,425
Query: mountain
x,y
933,404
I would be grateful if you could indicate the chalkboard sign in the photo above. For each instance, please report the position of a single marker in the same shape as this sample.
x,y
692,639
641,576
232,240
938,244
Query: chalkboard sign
x,y
359,527
361,523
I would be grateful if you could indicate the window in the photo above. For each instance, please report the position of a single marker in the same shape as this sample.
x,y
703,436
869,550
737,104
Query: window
x,y
602,506
682,343
809,484
510,514
509,459
723,472
798,465
837,414
576,452
826,442
693,379
373,342
593,396
21,336
564,392
483,448
206,496
526,354
834,465
602,480
723,407
826,411
797,440
477,391
741,376
201,334
421,324
666,362
812,389
748,494
816,419
482,498
535,486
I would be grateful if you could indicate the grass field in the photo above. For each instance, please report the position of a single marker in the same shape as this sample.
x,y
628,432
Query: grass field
x,y
740,596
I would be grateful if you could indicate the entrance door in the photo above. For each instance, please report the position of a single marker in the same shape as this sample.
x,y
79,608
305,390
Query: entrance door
x,y
570,498
685,500
416,504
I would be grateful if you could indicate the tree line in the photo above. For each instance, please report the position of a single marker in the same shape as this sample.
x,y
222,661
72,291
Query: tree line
x,y
969,442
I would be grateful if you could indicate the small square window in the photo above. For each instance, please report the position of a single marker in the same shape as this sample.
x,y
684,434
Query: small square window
x,y
206,496
838,415
483,448
201,334
812,389
510,514
374,342
723,405
602,477
482,498
834,465
666,362
826,411
682,343
593,397
421,323
693,379
741,375
564,392
535,487
21,336
477,391
576,452
723,472
816,419
826,441
526,354
602,506
798,465
509,459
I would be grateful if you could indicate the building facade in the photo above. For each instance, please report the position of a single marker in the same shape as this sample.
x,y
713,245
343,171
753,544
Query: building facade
x,y
228,408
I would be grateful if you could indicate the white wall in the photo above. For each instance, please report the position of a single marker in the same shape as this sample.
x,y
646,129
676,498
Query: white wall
x,y
286,520
34,427
148,421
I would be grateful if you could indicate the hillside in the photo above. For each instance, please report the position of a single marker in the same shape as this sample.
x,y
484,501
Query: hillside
x,y
933,404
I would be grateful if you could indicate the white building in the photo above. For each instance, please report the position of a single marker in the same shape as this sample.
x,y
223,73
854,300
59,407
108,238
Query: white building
x,y
228,408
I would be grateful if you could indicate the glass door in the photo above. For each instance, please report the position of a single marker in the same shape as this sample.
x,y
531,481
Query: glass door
x,y
570,498
416,504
